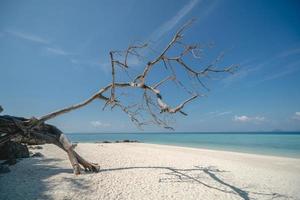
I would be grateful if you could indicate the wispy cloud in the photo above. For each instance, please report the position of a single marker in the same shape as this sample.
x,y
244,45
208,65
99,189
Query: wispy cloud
x,y
296,116
98,124
54,49
286,70
244,118
171,23
223,113
28,37
58,51
49,46
289,52
133,61
250,68
207,8
240,74
92,64
215,114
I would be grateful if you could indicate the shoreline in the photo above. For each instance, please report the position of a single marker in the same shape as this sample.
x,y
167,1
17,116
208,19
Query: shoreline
x,y
152,171
221,151
260,144
192,147
208,132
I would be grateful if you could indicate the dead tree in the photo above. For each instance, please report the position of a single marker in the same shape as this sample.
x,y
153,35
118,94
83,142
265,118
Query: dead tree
x,y
152,105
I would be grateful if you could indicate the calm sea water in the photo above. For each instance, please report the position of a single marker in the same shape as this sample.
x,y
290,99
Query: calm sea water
x,y
279,144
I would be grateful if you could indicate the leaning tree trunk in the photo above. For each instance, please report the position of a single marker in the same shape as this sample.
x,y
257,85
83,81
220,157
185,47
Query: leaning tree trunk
x,y
22,130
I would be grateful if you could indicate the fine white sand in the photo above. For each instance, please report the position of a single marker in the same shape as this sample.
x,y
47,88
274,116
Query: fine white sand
x,y
148,171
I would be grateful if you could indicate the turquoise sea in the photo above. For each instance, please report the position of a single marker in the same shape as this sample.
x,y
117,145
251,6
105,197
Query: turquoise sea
x,y
285,144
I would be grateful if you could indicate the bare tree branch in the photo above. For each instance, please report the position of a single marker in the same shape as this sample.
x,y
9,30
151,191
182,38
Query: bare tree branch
x,y
139,82
152,106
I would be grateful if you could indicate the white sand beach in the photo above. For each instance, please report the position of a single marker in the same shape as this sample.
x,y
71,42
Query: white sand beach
x,y
148,171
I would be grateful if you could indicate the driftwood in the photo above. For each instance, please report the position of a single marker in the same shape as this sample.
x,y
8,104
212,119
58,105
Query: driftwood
x,y
21,130
153,105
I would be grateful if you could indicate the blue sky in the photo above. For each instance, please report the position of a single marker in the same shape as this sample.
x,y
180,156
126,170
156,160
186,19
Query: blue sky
x,y
55,53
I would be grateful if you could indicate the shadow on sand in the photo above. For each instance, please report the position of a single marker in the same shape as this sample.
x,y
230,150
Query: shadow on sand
x,y
195,175
30,181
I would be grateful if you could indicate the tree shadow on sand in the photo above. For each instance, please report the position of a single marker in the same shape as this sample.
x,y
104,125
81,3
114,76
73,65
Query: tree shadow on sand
x,y
196,175
32,180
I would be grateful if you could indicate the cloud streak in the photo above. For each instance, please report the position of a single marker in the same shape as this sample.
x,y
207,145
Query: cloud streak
x,y
223,113
288,69
49,46
276,62
244,119
216,114
99,124
58,51
171,23
28,36
290,52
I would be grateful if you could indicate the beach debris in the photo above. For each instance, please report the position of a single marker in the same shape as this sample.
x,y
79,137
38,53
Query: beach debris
x,y
127,141
118,141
